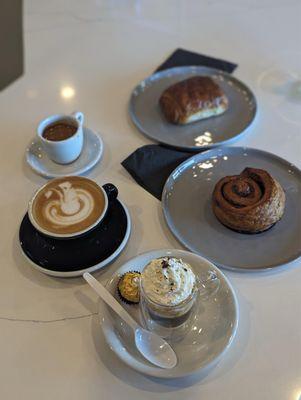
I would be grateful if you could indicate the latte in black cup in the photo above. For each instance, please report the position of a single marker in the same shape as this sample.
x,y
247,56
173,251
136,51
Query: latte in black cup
x,y
67,207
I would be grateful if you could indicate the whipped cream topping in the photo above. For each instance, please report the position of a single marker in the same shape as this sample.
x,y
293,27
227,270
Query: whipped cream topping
x,y
67,205
168,281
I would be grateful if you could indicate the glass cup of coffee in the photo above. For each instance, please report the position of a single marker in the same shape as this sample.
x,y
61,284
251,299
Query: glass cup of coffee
x,y
62,137
71,206
169,289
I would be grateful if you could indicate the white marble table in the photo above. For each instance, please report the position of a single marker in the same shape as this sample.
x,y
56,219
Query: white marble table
x,y
50,344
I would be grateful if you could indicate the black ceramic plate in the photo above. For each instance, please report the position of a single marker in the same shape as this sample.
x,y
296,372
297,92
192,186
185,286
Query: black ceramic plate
x,y
73,257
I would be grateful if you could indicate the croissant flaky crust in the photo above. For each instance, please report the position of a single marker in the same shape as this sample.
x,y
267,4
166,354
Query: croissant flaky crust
x,y
250,202
193,99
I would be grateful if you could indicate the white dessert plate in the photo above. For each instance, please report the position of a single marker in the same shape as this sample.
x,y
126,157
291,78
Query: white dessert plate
x,y
211,330
92,151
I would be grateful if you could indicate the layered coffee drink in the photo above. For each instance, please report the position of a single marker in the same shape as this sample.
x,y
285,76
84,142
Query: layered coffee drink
x,y
168,290
67,206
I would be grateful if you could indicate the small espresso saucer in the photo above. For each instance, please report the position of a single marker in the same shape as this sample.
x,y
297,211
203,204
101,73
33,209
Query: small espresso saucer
x,y
92,151
72,257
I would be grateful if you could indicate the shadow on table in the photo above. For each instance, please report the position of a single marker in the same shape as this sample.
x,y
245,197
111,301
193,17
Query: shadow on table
x,y
150,384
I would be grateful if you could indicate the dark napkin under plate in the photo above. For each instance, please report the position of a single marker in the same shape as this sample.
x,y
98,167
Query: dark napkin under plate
x,y
181,58
151,165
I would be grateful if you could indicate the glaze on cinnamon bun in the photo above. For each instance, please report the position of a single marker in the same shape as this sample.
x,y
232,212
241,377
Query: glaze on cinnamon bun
x,y
251,202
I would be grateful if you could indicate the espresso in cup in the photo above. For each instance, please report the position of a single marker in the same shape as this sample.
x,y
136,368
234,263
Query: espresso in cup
x,y
67,207
59,131
62,137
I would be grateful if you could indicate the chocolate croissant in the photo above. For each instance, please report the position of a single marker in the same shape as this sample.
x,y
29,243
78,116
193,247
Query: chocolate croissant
x,y
251,202
193,99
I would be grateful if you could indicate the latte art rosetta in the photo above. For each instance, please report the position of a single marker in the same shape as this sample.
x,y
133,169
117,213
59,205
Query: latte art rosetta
x,y
68,206
72,206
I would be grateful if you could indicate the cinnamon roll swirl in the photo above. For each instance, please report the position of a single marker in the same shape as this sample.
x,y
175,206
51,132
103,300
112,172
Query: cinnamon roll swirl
x,y
251,202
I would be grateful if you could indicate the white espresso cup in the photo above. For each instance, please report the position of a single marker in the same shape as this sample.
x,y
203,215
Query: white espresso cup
x,y
67,150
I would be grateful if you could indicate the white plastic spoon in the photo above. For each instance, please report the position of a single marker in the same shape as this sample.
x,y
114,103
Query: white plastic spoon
x,y
151,346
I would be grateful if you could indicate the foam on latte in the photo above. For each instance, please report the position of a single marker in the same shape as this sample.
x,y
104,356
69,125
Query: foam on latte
x,y
68,205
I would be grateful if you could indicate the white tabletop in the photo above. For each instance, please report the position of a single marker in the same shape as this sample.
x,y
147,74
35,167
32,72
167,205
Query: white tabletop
x,y
50,343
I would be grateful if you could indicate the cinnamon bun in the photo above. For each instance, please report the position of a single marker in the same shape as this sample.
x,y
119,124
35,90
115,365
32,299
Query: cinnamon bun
x,y
250,202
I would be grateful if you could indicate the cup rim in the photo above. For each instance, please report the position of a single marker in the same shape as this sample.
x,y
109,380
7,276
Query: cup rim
x,y
51,119
65,235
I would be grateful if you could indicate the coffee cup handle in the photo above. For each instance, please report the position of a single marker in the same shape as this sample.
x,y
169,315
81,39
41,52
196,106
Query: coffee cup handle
x,y
111,191
208,284
79,116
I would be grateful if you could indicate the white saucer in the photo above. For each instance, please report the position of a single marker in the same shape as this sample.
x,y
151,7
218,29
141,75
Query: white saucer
x,y
90,155
211,332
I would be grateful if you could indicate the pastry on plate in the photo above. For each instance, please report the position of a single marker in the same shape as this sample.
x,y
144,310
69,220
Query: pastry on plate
x,y
128,287
251,202
193,99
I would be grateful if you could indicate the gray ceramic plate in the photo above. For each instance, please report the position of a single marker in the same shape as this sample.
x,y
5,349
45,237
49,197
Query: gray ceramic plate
x,y
146,114
186,204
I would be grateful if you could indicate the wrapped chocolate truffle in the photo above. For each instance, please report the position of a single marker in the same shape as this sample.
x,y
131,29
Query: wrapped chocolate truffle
x,y
128,287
